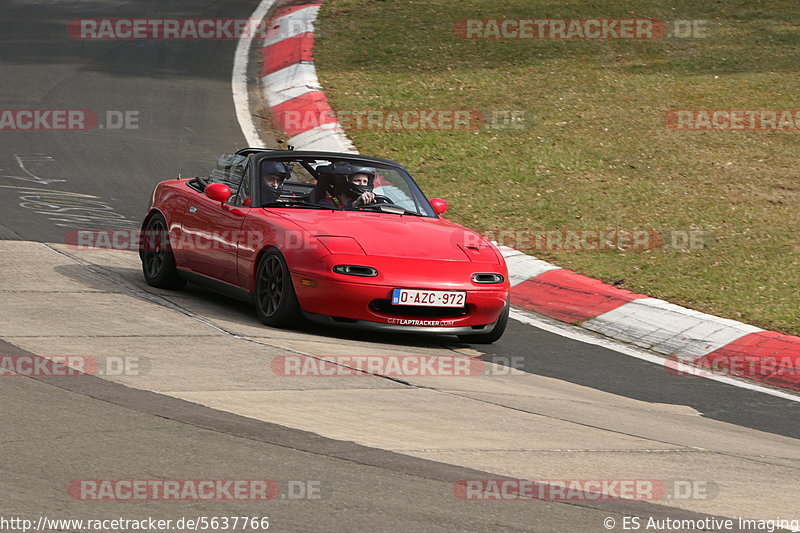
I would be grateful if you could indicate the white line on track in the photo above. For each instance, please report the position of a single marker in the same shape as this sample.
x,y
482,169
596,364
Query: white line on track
x,y
241,101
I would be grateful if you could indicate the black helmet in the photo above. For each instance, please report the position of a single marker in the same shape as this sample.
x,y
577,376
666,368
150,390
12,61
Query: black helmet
x,y
334,179
278,168
343,183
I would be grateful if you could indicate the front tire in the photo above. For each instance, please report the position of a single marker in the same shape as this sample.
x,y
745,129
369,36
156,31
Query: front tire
x,y
275,299
158,262
492,336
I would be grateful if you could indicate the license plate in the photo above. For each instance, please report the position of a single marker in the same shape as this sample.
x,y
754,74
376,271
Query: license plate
x,y
429,298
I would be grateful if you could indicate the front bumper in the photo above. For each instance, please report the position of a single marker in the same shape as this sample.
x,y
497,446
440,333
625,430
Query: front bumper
x,y
343,302
400,328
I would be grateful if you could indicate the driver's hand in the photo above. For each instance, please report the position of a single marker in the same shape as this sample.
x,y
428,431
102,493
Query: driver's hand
x,y
366,198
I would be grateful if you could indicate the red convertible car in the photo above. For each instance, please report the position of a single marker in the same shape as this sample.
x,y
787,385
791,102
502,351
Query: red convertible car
x,y
330,237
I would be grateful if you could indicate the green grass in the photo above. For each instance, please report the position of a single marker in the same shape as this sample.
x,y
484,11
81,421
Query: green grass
x,y
595,152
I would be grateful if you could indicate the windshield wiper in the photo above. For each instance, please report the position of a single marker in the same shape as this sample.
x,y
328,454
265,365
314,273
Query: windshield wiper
x,y
289,202
387,208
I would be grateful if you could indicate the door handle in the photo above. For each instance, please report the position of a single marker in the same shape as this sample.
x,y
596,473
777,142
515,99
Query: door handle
x,y
193,209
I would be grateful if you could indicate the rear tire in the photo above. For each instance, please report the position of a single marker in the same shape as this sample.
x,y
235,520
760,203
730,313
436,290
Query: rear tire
x,y
158,262
275,299
492,336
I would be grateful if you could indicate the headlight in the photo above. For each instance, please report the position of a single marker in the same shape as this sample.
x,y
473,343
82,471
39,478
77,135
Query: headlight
x,y
487,278
356,270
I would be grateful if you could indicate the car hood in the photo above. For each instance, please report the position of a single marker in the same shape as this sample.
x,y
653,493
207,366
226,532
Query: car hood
x,y
390,235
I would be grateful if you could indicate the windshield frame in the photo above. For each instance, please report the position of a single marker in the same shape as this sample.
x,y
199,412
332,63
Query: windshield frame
x,y
314,159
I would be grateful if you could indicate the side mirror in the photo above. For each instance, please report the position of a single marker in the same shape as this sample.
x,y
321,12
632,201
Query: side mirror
x,y
219,192
439,206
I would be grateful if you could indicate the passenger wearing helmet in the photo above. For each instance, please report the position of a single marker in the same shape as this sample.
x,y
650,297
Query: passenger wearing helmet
x,y
352,186
273,174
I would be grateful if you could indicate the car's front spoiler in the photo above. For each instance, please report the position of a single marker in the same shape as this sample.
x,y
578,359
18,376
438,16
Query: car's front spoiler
x,y
399,328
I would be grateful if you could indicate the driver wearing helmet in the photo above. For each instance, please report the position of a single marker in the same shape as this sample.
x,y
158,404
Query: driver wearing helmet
x,y
273,174
352,186
359,187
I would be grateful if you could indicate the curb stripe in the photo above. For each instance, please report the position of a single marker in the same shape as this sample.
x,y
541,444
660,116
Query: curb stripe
x,y
291,116
290,82
292,24
770,347
523,267
568,296
328,138
287,52
288,7
668,328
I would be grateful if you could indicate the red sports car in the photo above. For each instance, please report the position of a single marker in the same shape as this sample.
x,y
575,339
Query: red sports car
x,y
331,237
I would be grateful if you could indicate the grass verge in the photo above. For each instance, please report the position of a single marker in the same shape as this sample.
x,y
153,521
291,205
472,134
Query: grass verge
x,y
593,151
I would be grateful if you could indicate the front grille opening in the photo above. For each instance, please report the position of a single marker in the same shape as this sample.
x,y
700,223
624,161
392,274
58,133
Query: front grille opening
x,y
386,307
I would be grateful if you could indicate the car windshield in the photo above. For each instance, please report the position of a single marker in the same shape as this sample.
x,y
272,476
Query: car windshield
x,y
349,184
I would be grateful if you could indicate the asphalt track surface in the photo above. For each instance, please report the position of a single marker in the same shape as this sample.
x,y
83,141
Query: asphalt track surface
x,y
180,91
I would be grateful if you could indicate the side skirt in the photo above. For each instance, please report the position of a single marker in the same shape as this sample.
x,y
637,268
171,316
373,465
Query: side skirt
x,y
217,286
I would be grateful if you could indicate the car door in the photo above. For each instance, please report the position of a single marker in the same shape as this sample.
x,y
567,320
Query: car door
x,y
212,231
